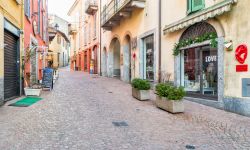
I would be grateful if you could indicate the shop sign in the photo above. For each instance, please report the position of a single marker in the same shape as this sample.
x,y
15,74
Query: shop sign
x,y
241,56
209,59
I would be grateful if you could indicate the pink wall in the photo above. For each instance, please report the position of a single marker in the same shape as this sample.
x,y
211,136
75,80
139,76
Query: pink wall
x,y
28,28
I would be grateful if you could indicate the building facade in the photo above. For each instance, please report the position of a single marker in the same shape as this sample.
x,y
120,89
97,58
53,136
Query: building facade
x,y
59,27
58,54
91,37
202,47
35,40
210,41
11,48
75,34
130,39
85,44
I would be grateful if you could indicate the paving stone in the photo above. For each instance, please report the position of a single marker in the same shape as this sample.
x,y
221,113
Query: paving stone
x,y
79,112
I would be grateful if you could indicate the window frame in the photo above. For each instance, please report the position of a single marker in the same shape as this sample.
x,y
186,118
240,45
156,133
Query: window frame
x,y
192,9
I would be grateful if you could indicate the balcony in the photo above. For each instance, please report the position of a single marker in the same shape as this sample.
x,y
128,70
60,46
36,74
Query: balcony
x,y
72,29
91,7
116,10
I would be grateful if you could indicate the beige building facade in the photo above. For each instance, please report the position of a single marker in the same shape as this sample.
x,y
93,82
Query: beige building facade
x,y
59,46
129,43
211,40
76,14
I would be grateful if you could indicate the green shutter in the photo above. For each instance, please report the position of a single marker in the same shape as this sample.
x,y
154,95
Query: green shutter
x,y
197,5
189,6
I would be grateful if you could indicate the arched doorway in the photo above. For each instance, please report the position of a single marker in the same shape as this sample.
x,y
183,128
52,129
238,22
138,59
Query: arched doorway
x,y
94,59
104,61
127,59
114,61
199,63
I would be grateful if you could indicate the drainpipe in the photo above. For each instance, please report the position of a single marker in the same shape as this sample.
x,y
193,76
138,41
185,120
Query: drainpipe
x,y
159,38
100,38
22,50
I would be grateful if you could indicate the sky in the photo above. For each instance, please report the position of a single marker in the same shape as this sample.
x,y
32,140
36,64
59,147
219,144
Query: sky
x,y
60,7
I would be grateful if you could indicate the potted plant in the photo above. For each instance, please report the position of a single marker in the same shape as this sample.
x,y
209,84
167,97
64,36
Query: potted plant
x,y
170,98
32,88
141,89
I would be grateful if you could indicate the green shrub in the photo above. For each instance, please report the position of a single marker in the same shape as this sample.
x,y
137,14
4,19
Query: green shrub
x,y
140,84
169,91
176,93
162,89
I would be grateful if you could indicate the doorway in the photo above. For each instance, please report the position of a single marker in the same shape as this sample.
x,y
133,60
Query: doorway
x,y
104,62
115,59
149,60
127,59
11,66
200,72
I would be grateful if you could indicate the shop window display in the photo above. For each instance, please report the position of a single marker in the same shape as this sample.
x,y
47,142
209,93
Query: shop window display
x,y
199,71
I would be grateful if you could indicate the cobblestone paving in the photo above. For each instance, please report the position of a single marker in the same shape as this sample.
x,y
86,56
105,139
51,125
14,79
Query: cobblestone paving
x,y
79,113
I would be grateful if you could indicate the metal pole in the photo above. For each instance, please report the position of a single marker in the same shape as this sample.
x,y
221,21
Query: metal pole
x,y
159,28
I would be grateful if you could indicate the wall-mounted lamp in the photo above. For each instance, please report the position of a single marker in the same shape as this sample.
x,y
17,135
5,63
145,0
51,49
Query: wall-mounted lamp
x,y
229,45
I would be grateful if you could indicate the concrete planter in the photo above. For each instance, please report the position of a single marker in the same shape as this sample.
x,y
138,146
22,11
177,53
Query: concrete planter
x,y
32,92
169,105
141,95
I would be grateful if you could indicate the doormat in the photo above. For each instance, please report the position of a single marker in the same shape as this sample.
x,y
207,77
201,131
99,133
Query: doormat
x,y
26,102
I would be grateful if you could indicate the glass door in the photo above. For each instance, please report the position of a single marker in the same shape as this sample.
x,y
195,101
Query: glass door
x,y
209,68
199,72
149,58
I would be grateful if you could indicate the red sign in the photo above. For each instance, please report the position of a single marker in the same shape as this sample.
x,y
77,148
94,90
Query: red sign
x,y
241,53
241,56
241,68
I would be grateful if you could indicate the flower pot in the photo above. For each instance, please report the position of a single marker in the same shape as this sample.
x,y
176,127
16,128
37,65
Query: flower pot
x,y
141,95
171,106
32,92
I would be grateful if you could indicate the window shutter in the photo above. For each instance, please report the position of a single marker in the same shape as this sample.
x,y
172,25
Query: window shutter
x,y
189,6
197,5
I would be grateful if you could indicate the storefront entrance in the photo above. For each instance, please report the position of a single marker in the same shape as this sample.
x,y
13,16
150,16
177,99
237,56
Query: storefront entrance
x,y
149,58
199,72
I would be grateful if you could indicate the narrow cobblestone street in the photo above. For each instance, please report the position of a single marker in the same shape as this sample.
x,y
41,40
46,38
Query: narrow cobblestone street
x,y
80,111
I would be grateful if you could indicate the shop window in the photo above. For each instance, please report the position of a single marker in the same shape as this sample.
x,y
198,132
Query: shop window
x,y
27,8
195,5
199,71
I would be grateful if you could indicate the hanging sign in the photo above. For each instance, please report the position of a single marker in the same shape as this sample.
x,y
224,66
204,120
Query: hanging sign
x,y
241,56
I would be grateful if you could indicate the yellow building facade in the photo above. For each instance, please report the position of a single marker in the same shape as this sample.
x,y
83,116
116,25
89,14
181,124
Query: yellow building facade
x,y
130,32
210,35
11,48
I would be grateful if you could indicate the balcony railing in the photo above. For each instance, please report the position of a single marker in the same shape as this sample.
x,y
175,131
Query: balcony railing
x,y
91,6
114,11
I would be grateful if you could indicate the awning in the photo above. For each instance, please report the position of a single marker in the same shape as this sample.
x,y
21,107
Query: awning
x,y
202,15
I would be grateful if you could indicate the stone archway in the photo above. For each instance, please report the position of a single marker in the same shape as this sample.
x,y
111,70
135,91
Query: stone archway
x,y
127,59
114,59
105,62
201,64
94,59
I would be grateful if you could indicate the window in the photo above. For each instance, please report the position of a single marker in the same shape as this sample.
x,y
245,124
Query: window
x,y
58,39
27,8
85,36
94,26
89,32
195,5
